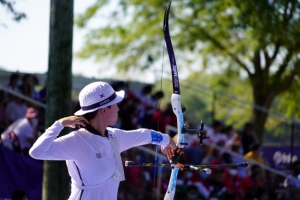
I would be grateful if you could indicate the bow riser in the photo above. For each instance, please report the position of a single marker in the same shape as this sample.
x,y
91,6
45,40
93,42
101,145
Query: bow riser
x,y
176,105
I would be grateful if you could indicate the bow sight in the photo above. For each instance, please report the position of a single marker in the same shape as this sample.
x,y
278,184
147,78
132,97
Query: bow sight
x,y
200,131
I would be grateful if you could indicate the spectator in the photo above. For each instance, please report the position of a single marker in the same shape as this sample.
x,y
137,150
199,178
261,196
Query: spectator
x,y
255,153
194,152
128,118
248,137
217,187
43,92
2,112
132,174
214,134
12,85
151,108
35,83
15,109
235,148
145,98
250,186
295,194
18,195
292,181
236,138
121,85
212,154
228,131
225,158
26,87
231,182
192,193
275,186
21,134
163,118
200,180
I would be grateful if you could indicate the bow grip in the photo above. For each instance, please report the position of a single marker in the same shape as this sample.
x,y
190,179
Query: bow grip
x,y
176,155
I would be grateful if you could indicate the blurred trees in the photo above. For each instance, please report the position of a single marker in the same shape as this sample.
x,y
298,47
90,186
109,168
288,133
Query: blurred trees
x,y
256,40
9,5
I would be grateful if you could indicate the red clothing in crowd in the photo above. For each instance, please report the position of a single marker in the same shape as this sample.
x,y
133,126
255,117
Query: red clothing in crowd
x,y
163,119
231,183
247,184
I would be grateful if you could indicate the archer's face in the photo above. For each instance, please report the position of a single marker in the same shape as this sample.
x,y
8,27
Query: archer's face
x,y
112,114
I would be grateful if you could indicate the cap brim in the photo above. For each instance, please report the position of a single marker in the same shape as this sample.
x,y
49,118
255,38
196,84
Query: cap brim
x,y
118,99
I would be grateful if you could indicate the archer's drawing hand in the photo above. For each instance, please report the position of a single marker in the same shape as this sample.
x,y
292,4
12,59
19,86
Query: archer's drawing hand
x,y
73,120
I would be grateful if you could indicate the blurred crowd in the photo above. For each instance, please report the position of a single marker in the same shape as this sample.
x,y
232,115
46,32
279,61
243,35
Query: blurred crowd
x,y
20,120
21,123
234,183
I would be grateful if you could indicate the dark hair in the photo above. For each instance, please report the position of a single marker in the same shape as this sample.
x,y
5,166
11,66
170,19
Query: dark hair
x,y
295,164
191,188
217,123
91,115
226,157
254,168
25,77
235,147
248,126
158,95
255,146
146,89
14,76
18,195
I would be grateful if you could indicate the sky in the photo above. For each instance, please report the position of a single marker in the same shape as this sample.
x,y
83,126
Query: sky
x,y
24,45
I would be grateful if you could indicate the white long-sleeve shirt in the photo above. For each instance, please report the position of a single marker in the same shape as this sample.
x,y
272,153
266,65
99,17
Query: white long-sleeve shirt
x,y
90,158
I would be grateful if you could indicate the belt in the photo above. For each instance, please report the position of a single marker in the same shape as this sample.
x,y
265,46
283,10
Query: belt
x,y
115,177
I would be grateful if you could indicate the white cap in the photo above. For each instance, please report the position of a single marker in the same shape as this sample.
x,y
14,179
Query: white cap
x,y
98,95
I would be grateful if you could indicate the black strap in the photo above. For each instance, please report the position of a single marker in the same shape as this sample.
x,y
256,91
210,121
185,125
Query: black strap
x,y
101,103
91,129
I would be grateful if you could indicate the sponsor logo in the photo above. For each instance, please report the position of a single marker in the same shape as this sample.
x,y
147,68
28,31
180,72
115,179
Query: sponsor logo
x,y
111,136
102,95
98,155
104,102
283,158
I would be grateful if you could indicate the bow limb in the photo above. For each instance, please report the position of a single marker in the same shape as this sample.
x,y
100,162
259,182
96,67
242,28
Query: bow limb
x,y
176,105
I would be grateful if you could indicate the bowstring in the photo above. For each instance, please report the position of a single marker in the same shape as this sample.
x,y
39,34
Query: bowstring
x,y
158,120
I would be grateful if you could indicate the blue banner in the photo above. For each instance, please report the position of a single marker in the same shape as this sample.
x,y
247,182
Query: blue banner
x,y
280,156
18,172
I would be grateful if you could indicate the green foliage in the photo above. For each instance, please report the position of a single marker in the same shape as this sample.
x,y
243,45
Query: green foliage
x,y
131,29
229,30
256,40
288,102
197,96
227,94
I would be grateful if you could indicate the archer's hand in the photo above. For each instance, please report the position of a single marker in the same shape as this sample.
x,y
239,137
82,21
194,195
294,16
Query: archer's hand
x,y
168,151
172,144
73,120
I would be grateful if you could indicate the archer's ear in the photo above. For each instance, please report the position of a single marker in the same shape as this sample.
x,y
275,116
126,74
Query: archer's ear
x,y
102,111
